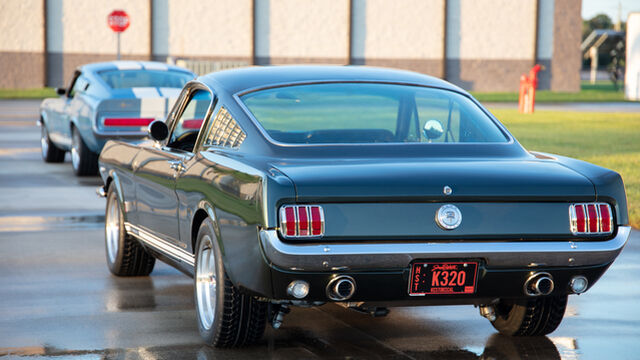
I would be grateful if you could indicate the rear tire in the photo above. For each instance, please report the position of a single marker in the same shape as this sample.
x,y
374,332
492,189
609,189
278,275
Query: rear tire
x,y
530,317
50,152
83,160
226,317
125,256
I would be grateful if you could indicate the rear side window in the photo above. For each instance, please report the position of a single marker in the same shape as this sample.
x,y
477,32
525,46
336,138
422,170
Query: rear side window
x,y
369,113
123,79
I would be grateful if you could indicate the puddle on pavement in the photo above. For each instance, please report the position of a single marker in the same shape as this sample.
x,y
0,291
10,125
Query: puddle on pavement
x,y
42,223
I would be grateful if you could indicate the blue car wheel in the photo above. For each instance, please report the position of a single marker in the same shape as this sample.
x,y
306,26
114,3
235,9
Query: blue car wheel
x,y
83,160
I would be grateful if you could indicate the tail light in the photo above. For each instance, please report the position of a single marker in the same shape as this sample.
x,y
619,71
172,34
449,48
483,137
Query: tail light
x,y
192,124
139,122
301,221
591,218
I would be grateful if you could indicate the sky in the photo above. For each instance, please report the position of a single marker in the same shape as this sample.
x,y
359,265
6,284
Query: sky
x,y
591,8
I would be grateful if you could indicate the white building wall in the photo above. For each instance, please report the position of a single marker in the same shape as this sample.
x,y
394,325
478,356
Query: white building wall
x,y
22,25
220,28
632,72
410,29
303,31
492,29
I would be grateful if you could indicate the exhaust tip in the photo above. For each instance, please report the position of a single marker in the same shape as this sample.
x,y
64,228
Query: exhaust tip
x,y
539,284
341,288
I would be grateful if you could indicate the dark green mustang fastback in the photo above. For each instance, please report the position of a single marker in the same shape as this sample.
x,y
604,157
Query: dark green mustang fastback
x,y
301,185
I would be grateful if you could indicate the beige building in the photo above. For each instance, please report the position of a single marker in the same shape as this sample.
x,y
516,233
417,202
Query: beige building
x,y
480,45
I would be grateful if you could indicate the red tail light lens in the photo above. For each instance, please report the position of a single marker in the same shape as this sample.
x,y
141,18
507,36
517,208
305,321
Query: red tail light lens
x,y
581,219
317,221
606,221
288,221
127,121
301,221
591,218
192,124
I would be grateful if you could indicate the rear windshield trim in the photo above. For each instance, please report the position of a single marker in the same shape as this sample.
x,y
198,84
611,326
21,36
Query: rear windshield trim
x,y
265,134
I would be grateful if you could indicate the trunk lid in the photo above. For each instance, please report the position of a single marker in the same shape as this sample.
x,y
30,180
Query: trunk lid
x,y
470,180
390,200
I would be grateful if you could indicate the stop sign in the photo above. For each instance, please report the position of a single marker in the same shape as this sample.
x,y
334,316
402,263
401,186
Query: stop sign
x,y
118,20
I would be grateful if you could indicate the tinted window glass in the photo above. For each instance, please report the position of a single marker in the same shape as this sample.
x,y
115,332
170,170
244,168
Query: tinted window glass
x,y
123,79
369,113
80,85
188,125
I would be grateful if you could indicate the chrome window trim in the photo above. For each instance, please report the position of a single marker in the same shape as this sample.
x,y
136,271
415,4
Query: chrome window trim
x,y
328,256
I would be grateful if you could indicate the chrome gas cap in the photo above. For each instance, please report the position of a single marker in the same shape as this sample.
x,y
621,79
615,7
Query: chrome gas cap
x,y
448,217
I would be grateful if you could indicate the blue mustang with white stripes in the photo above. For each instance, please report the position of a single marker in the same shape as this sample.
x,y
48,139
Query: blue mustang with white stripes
x,y
109,100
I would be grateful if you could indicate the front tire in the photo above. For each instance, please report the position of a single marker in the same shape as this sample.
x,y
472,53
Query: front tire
x,y
50,152
125,256
226,317
530,317
83,160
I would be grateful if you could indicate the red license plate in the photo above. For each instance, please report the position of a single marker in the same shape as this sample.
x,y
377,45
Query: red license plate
x,y
443,278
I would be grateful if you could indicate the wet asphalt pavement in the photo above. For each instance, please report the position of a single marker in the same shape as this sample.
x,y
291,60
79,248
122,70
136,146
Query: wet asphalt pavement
x,y
58,299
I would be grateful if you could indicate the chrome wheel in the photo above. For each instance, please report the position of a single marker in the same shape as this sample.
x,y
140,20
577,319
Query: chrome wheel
x,y
112,228
44,141
206,282
75,149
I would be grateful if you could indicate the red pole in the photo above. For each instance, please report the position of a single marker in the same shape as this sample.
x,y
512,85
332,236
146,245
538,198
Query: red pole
x,y
533,84
523,93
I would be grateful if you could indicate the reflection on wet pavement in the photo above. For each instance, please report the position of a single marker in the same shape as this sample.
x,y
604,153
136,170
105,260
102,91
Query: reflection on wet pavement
x,y
41,223
301,345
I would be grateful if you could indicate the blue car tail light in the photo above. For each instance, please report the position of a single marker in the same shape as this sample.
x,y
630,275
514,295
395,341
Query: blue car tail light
x,y
590,218
301,221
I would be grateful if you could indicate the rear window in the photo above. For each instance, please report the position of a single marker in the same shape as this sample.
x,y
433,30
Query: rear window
x,y
123,79
369,113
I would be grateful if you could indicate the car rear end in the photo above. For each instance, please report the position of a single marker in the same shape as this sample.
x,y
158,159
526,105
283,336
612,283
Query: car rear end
x,y
128,118
419,236
138,94
411,193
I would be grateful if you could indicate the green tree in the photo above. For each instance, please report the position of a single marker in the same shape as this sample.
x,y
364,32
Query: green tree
x,y
600,21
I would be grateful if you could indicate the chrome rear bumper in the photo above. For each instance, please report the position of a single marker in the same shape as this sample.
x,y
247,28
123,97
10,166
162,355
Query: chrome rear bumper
x,y
354,256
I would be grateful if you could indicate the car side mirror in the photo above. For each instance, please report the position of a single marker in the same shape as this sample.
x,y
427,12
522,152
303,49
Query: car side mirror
x,y
158,130
61,91
433,129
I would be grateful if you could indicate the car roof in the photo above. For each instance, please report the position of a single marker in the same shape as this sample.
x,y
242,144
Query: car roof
x,y
131,65
255,77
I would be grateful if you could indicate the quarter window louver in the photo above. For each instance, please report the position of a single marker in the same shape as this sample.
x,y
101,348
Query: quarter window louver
x,y
225,131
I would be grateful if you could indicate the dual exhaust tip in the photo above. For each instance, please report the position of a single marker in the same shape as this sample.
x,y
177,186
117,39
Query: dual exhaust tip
x,y
539,284
340,288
